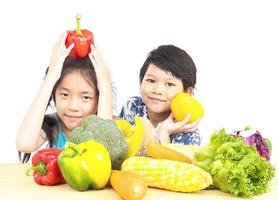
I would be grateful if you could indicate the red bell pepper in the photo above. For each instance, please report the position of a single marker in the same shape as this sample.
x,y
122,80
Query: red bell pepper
x,y
82,39
45,168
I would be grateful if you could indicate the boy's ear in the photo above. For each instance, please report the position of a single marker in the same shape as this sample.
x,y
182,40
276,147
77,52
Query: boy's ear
x,y
189,91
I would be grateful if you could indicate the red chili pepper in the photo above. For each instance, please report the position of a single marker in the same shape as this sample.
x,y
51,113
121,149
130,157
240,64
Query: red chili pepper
x,y
45,168
82,40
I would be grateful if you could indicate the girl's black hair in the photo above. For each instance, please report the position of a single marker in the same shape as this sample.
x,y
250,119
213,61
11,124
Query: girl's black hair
x,y
173,60
86,68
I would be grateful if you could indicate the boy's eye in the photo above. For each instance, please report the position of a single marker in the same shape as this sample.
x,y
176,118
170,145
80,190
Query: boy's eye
x,y
170,84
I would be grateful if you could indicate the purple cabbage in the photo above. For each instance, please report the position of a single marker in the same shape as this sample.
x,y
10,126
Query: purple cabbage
x,y
258,141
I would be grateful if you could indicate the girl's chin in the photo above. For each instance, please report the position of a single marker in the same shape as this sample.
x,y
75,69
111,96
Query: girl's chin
x,y
71,126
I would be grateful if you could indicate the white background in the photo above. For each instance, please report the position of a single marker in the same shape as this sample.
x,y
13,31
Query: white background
x,y
234,45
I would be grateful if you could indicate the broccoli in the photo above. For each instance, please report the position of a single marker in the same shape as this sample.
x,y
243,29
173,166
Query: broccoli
x,y
104,131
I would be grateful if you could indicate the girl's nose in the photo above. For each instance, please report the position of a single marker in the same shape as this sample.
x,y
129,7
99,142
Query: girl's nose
x,y
73,104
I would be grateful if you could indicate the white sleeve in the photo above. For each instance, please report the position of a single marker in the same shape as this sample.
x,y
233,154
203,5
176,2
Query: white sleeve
x,y
114,99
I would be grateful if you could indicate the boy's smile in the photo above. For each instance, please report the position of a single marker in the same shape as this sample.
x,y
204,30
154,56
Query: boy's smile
x,y
156,100
158,88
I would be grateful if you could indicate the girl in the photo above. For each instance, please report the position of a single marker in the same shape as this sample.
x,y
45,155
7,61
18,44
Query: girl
x,y
167,71
78,88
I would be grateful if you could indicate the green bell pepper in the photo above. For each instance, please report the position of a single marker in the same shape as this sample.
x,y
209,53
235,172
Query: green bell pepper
x,y
85,165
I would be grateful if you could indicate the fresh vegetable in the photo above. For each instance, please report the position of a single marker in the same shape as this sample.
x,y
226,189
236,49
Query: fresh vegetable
x,y
133,135
82,39
104,131
183,104
235,166
129,185
263,145
168,174
125,127
86,165
45,168
155,150
187,150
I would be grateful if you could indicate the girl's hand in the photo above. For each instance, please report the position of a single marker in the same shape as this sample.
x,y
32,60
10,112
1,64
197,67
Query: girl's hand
x,y
170,126
101,69
58,56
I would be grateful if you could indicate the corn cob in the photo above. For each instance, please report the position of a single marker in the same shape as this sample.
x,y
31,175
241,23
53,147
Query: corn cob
x,y
168,174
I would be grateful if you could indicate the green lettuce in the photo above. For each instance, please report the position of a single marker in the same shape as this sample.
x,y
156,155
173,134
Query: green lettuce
x,y
235,166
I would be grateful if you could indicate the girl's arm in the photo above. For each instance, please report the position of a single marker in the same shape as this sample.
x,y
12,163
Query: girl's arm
x,y
104,84
30,135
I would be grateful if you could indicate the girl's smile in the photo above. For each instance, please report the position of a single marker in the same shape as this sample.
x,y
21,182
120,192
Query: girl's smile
x,y
75,99
73,118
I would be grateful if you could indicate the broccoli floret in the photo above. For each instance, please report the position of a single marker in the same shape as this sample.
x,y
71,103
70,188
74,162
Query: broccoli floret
x,y
104,131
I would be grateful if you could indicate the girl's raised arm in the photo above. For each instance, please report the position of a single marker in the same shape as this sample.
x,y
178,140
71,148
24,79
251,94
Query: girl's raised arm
x,y
104,84
30,135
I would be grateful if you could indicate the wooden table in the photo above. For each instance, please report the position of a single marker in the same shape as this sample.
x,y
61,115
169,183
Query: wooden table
x,y
14,184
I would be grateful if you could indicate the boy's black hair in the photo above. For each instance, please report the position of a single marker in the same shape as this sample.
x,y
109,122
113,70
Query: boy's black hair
x,y
170,58
86,68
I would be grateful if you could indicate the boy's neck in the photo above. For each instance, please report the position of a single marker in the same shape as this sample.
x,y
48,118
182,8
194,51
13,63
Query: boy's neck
x,y
156,118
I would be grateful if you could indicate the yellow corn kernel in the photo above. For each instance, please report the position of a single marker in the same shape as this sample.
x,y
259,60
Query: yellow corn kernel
x,y
168,174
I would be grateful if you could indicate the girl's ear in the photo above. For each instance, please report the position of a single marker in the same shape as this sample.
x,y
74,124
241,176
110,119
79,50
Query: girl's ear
x,y
189,91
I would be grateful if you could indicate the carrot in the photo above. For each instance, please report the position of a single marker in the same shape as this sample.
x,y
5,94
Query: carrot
x,y
159,151
129,185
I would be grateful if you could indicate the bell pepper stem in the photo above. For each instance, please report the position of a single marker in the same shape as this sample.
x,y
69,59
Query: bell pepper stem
x,y
78,26
74,147
40,168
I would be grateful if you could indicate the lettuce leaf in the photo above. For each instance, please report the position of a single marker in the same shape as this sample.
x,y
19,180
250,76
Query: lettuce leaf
x,y
234,165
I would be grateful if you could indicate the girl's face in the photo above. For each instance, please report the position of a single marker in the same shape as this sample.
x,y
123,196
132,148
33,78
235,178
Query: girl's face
x,y
75,99
158,88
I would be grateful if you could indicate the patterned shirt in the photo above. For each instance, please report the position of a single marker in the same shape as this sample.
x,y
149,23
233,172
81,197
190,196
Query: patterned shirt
x,y
136,107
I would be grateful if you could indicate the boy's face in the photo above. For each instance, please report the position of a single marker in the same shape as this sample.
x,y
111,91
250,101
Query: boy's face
x,y
75,99
158,88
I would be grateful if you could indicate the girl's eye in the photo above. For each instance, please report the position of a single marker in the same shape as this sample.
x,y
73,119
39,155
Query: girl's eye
x,y
170,84
86,98
150,80
64,94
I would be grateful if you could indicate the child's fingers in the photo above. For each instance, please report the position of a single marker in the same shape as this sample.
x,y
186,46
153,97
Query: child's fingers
x,y
62,47
97,53
69,49
93,49
191,126
92,58
186,119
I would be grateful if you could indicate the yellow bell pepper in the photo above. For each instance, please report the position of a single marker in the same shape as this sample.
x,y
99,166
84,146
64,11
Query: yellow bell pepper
x,y
133,135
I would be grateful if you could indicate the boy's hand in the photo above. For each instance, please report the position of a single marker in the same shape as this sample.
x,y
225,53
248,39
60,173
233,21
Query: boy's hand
x,y
170,126
58,56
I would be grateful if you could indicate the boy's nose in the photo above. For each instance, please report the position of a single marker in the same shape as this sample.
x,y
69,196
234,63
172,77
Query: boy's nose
x,y
158,89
